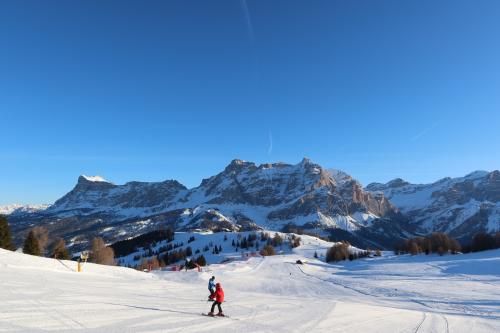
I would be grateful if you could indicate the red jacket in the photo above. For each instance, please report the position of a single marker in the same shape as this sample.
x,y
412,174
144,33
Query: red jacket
x,y
219,294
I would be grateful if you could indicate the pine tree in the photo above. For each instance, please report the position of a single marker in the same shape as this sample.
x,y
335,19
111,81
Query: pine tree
x,y
220,248
5,238
201,261
233,243
315,254
31,245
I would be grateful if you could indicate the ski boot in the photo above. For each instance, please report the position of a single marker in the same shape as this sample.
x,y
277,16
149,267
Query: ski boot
x,y
221,314
211,314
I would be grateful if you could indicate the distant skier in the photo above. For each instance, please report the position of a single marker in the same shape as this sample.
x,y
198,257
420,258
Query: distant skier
x,y
219,298
211,288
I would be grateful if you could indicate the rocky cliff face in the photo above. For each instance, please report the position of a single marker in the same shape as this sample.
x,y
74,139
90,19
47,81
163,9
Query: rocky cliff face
x,y
460,207
93,196
243,196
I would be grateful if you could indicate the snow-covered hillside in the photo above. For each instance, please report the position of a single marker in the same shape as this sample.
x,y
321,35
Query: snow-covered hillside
x,y
459,206
458,293
203,243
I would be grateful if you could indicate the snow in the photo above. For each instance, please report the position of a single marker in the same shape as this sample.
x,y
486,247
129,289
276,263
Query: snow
x,y
19,208
446,204
339,176
8,209
210,239
95,178
493,224
458,293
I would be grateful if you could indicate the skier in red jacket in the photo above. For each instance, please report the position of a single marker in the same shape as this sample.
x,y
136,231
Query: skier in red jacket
x,y
219,298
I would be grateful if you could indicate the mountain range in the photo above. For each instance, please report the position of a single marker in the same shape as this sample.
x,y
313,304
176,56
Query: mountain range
x,y
303,197
459,207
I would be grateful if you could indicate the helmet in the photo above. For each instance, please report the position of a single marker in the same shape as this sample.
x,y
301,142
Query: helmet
x,y
217,285
212,278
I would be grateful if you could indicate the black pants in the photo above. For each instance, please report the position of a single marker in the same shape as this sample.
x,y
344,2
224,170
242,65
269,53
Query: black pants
x,y
218,305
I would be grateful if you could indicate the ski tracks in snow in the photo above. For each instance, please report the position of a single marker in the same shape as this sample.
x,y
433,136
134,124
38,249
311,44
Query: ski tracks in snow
x,y
64,321
424,316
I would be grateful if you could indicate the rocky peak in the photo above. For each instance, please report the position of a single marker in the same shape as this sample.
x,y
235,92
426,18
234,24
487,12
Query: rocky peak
x,y
171,183
305,161
397,182
340,176
238,165
86,183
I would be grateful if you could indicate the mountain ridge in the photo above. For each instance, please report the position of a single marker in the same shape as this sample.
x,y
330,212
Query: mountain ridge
x,y
243,196
277,196
458,206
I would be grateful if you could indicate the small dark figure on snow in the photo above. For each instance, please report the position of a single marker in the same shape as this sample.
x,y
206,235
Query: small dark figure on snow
x,y
211,288
219,298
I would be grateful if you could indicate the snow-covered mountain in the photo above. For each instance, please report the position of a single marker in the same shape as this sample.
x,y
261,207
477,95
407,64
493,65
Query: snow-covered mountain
x,y
244,196
96,195
459,206
19,209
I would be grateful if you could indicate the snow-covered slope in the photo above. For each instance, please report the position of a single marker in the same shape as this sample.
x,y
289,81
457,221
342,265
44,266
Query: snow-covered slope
x,y
389,294
244,196
458,206
203,243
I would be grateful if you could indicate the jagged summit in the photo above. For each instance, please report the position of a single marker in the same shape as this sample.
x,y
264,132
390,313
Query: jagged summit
x,y
92,179
305,161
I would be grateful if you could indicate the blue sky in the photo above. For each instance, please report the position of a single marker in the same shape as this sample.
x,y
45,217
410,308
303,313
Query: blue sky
x,y
161,90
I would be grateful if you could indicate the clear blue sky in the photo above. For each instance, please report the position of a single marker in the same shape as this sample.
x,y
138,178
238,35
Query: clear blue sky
x,y
155,90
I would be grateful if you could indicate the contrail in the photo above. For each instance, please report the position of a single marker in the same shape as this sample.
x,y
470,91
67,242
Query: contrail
x,y
424,132
246,13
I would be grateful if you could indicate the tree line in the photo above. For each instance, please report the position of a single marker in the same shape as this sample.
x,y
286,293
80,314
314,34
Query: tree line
x,y
482,242
441,243
39,243
436,242
127,246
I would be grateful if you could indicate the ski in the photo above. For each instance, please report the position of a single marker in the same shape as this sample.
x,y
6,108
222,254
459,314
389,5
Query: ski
x,y
214,316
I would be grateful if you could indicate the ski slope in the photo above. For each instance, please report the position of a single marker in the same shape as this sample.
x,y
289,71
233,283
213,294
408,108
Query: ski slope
x,y
310,244
389,294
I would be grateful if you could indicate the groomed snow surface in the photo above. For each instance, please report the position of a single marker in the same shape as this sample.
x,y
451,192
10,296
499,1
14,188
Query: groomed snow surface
x,y
458,293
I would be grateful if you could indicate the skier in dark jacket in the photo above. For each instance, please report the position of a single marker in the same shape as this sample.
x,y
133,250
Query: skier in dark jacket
x,y
219,298
211,288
